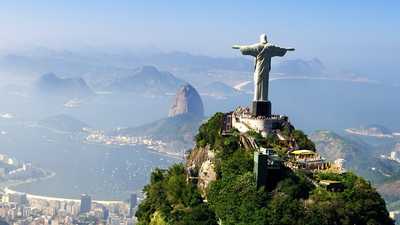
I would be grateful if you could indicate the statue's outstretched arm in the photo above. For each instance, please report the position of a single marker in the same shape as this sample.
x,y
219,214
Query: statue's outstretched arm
x,y
252,50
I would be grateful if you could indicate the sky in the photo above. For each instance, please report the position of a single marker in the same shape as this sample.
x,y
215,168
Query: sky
x,y
355,35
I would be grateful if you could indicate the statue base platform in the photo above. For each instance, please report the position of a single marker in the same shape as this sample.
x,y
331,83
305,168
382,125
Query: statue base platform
x,y
261,108
243,120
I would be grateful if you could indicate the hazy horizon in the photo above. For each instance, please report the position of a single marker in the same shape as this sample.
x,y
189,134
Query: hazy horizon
x,y
355,35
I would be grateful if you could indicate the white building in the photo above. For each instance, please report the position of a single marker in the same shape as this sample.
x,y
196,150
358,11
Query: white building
x,y
243,120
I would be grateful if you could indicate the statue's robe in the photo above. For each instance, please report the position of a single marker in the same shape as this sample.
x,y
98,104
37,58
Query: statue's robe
x,y
263,54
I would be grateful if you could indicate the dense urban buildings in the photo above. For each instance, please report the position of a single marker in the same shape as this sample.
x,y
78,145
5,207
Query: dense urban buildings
x,y
24,209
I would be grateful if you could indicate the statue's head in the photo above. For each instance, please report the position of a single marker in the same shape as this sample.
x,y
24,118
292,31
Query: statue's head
x,y
263,39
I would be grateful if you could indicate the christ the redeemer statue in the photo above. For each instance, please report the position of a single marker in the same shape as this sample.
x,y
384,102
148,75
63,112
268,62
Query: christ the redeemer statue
x,y
263,52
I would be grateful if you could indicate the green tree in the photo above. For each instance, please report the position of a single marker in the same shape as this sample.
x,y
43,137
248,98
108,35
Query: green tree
x,y
210,131
236,200
170,199
302,140
238,163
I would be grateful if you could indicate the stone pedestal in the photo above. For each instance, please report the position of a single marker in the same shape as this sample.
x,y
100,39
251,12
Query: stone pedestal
x,y
261,108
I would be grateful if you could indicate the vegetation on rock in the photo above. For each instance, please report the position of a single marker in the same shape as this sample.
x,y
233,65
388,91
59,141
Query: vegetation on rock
x,y
171,200
233,198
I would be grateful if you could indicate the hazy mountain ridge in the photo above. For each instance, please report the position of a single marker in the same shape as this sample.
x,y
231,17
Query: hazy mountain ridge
x,y
359,156
313,67
178,128
148,80
63,123
390,191
172,135
364,159
80,63
51,84
39,60
218,89
194,62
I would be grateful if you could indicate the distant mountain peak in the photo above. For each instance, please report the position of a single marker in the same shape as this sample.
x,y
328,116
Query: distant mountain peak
x,y
148,80
300,67
187,101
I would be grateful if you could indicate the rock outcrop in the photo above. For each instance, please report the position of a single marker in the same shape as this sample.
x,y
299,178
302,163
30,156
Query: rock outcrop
x,y
201,165
187,101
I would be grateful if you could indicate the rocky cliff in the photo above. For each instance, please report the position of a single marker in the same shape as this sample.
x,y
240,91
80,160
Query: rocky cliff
x,y
201,165
187,101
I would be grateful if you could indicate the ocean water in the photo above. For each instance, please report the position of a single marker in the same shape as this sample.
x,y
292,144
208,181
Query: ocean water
x,y
113,172
321,104
105,172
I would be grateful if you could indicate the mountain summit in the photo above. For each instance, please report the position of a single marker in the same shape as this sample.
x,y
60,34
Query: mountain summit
x,y
187,101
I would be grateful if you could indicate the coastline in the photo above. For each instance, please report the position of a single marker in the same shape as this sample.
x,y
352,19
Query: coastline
x,y
6,188
15,183
155,148
152,149
49,198
367,134
275,77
